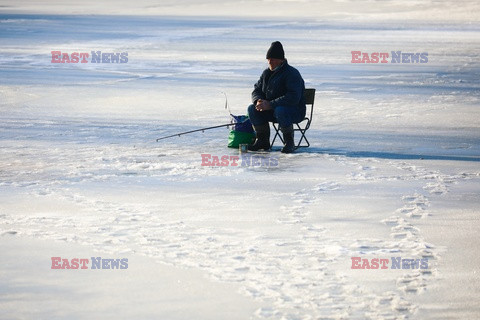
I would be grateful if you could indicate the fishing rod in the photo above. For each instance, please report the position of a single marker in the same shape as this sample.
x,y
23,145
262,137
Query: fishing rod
x,y
227,107
197,130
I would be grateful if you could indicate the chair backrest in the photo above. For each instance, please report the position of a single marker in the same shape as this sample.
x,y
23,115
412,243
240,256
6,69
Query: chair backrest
x,y
309,101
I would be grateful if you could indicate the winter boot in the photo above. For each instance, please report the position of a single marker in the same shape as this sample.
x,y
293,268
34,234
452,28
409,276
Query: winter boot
x,y
263,138
289,146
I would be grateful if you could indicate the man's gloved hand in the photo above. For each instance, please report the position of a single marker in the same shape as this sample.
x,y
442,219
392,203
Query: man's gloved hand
x,y
263,105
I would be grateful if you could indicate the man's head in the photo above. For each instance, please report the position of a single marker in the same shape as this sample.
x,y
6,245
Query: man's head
x,y
275,55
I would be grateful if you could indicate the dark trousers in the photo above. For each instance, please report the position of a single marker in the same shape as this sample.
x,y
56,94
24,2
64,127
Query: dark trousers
x,y
285,116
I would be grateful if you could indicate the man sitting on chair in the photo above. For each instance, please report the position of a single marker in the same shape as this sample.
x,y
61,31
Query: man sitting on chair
x,y
278,96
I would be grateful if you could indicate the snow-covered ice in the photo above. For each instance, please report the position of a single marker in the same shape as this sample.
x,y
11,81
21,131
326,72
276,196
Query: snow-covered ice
x,y
393,170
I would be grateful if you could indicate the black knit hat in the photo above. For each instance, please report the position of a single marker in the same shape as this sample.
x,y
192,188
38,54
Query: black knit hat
x,y
276,51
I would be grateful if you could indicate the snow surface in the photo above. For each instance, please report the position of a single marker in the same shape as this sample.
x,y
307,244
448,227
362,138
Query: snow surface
x,y
393,169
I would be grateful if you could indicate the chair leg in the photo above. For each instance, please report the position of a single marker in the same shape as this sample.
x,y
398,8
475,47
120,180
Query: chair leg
x,y
277,134
303,137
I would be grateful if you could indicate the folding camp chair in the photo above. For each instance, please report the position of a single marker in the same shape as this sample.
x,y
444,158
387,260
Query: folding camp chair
x,y
309,100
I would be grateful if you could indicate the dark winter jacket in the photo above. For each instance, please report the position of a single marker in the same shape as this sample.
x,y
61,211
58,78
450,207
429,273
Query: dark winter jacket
x,y
282,87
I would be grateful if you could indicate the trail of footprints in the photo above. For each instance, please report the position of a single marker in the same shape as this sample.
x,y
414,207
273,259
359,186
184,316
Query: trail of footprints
x,y
410,241
406,241
292,277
